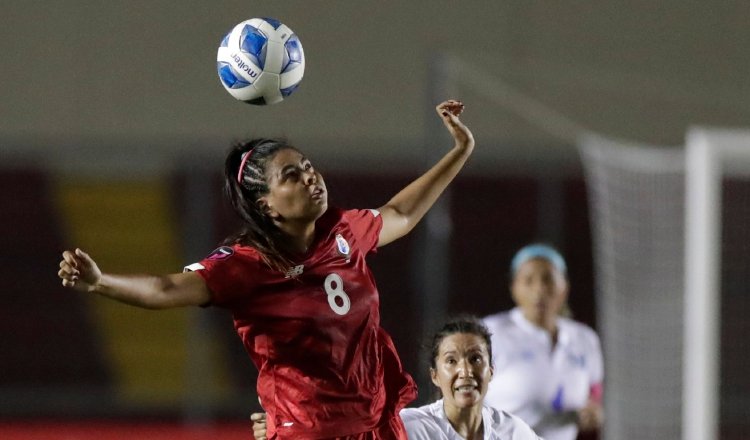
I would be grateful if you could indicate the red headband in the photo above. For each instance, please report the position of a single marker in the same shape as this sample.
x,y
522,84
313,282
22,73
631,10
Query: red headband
x,y
245,157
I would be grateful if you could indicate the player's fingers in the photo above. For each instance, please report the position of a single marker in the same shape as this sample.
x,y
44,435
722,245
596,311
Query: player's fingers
x,y
68,268
85,258
259,431
68,274
70,258
68,283
451,121
450,105
258,417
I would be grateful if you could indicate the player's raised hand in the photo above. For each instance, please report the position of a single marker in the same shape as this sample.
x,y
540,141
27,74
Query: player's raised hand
x,y
449,111
79,271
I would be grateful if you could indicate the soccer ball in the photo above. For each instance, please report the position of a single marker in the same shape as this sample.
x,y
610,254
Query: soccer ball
x,y
260,61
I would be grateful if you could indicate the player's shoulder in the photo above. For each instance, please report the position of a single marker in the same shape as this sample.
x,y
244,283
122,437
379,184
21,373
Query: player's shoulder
x,y
335,217
430,411
227,255
357,213
497,320
412,414
421,423
578,328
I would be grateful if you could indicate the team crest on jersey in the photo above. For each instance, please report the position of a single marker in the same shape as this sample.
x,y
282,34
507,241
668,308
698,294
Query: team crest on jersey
x,y
295,271
343,246
221,253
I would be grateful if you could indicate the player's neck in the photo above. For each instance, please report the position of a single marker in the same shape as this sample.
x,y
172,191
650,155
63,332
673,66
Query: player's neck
x,y
550,326
466,421
299,237
546,323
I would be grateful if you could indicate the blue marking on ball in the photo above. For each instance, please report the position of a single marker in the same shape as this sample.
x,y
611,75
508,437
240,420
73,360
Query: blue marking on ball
x,y
288,91
253,44
273,22
229,77
292,54
225,40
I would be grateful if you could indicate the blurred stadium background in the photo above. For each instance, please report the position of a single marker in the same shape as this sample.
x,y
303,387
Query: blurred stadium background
x,y
113,129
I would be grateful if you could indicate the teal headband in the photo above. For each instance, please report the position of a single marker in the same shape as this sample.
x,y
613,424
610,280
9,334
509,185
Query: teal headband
x,y
538,251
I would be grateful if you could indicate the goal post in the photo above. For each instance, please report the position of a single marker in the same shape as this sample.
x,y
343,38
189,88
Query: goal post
x,y
712,155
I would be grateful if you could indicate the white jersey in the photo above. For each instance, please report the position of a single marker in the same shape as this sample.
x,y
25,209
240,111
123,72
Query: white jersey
x,y
542,385
430,423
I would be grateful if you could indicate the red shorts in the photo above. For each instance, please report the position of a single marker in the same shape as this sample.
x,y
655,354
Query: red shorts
x,y
393,429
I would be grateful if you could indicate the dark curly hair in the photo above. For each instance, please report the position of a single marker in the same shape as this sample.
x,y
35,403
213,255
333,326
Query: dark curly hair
x,y
244,187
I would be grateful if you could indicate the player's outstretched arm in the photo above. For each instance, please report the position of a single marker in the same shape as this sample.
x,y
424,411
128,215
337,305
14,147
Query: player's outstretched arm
x,y
407,208
80,272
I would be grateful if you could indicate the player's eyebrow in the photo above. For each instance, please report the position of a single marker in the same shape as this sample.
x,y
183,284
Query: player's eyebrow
x,y
287,167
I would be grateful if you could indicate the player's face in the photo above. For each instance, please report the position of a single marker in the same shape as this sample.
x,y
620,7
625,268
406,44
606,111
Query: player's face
x,y
463,370
296,190
540,290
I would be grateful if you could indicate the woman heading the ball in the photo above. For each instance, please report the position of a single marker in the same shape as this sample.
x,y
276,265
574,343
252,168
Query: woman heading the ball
x,y
303,299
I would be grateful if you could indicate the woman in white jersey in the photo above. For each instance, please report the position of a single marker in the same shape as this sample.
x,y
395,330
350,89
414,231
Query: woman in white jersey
x,y
461,367
548,368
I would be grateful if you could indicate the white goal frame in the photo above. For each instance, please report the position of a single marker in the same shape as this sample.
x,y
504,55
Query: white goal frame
x,y
711,154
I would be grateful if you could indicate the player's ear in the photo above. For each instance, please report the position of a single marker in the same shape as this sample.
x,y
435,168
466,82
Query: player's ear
x,y
433,376
566,288
266,208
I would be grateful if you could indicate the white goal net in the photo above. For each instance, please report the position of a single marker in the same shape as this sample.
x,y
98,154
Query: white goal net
x,y
672,256
636,197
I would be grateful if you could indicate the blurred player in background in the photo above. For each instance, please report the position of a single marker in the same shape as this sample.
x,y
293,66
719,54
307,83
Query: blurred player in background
x,y
302,296
548,368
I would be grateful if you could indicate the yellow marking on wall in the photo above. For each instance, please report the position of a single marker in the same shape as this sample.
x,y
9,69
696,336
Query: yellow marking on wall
x,y
129,227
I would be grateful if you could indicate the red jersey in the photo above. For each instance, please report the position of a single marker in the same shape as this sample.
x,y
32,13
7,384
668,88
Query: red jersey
x,y
326,367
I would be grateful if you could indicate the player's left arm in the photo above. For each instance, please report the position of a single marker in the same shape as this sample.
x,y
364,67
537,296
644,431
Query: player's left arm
x,y
407,208
591,416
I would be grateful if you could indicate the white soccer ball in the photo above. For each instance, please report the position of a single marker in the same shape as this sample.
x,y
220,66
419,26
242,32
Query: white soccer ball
x,y
260,61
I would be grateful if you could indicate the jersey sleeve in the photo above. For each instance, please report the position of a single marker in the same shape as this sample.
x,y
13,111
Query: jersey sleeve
x,y
227,274
365,224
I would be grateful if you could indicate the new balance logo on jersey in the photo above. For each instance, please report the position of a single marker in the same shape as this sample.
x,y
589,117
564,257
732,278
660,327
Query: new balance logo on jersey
x,y
221,253
295,271
343,246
